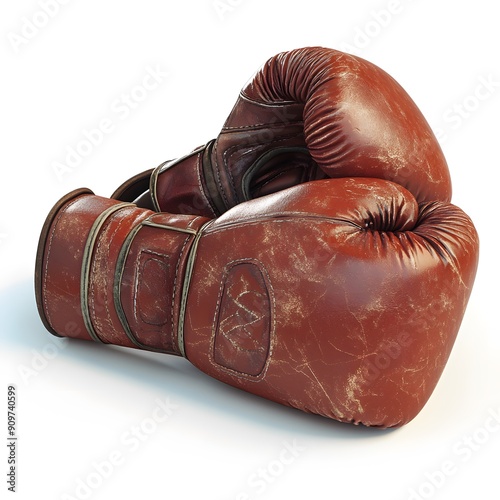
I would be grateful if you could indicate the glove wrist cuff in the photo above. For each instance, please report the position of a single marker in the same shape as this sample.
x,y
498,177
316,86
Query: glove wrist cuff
x,y
115,273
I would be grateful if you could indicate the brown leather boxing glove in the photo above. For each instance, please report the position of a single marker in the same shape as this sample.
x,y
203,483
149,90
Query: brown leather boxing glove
x,y
340,297
307,114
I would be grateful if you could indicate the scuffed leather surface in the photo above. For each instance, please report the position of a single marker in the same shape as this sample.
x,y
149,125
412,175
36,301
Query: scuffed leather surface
x,y
353,268
346,116
341,297
358,121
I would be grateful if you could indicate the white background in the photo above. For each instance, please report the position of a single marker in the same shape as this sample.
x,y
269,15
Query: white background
x,y
79,403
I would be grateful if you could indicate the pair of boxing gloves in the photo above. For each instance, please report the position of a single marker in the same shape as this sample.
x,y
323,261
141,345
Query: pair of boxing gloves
x,y
309,255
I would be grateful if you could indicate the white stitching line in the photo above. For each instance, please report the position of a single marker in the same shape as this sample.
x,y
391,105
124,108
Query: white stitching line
x,y
265,125
267,104
54,225
283,218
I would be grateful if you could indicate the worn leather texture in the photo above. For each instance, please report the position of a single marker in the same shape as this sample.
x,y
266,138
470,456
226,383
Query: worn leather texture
x,y
340,297
308,113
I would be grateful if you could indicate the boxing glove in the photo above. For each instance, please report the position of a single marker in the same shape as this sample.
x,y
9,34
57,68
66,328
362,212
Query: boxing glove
x,y
307,114
339,297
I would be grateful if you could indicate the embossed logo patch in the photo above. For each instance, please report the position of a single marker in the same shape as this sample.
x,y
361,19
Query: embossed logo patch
x,y
242,336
